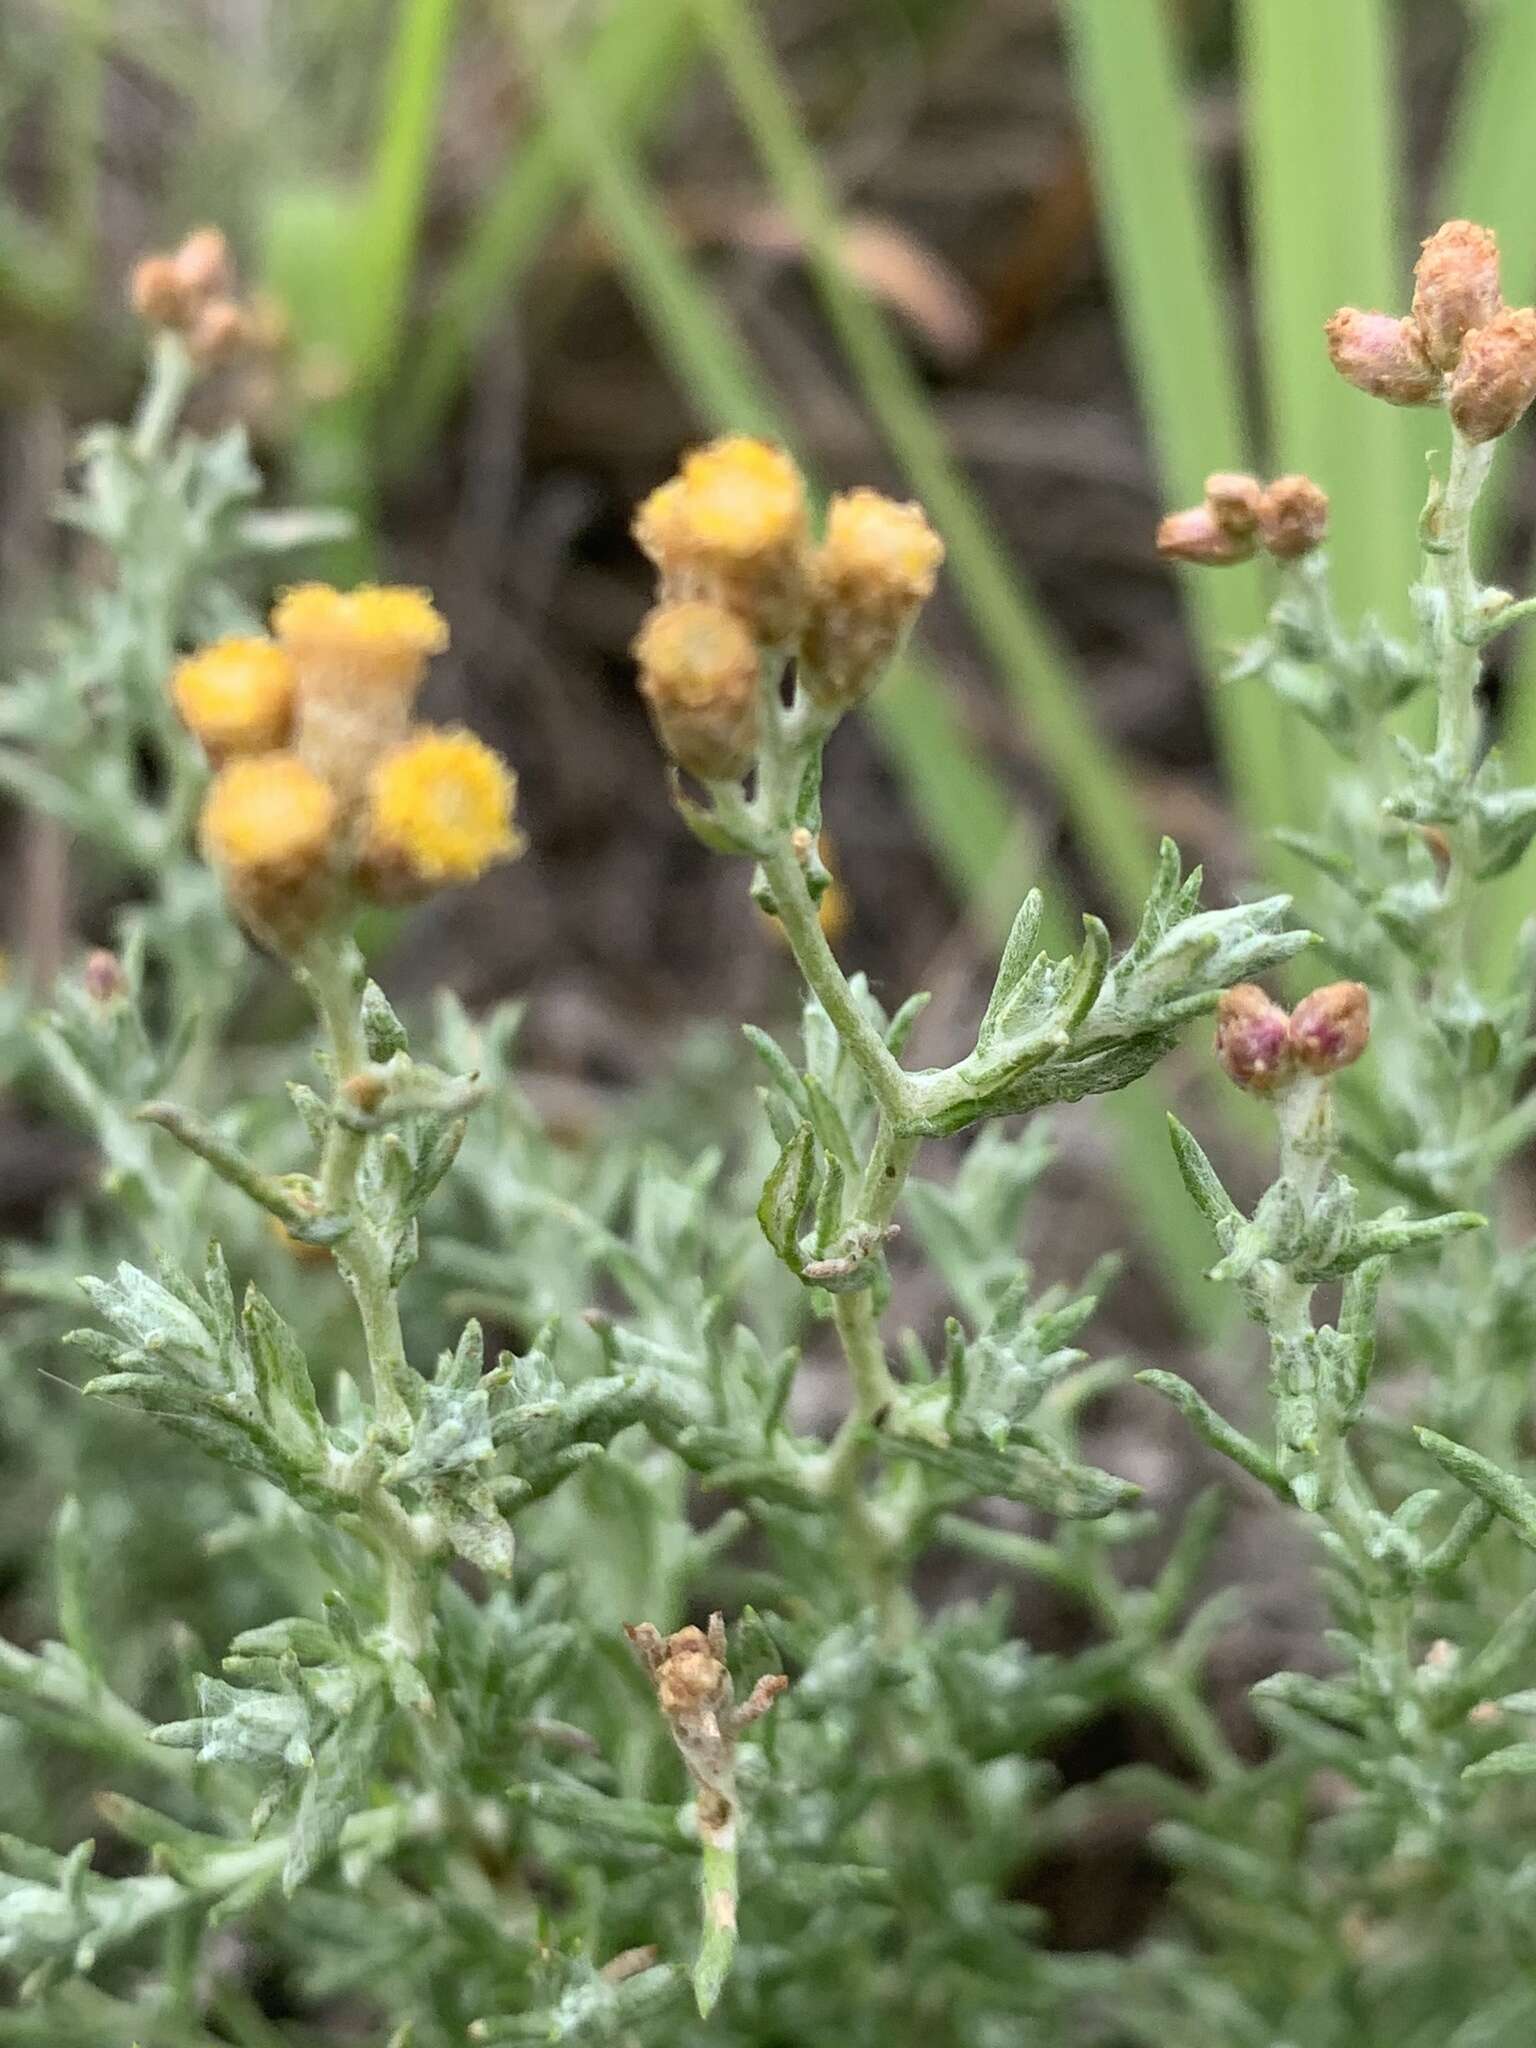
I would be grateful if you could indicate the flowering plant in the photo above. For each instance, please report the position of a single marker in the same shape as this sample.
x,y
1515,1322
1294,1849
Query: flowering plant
x,y
383,1766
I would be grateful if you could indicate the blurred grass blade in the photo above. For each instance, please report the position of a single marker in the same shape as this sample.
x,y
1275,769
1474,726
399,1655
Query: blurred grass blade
x,y
962,806
1490,176
385,256
1095,789
1325,168
1490,167
1175,303
632,68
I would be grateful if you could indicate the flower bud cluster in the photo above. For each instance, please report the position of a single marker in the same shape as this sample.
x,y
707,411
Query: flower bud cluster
x,y
326,789
743,585
191,292
1460,344
1262,1047
1287,519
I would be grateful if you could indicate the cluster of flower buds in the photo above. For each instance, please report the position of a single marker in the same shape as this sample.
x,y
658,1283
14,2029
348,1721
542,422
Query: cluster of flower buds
x,y
191,292
1263,1047
744,586
326,789
1239,515
1460,345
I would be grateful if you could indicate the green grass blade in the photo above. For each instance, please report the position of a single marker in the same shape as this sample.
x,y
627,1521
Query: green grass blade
x,y
631,67
1324,174
1174,296
1489,173
1490,176
1095,790
385,256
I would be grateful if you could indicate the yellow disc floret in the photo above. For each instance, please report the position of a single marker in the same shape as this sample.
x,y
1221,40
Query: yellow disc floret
x,y
732,526
698,674
267,814
236,696
442,805
361,656
270,826
869,578
380,628
742,496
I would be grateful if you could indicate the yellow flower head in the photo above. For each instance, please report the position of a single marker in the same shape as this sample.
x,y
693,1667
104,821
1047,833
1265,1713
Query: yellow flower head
x,y
375,633
236,696
441,805
698,674
270,825
731,525
869,578
267,815
878,548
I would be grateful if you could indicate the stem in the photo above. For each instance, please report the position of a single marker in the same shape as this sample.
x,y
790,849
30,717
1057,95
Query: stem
x,y
717,1884
1448,569
891,1087
331,974
165,392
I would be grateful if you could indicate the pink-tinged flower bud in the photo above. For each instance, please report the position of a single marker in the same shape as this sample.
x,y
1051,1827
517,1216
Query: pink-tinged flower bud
x,y
1455,288
1495,379
1194,536
1331,1027
103,977
157,292
203,264
1382,356
1293,517
1233,502
1252,1039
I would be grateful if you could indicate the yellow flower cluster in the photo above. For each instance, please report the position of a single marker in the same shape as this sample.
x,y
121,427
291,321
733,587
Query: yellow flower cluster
x,y
741,579
326,789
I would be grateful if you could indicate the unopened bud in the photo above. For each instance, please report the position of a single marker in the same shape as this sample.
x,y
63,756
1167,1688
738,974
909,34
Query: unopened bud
x,y
869,579
1382,356
1293,517
1194,536
1331,1027
1252,1039
1455,288
157,293
203,265
217,333
1495,379
1233,502
699,675
731,526
103,976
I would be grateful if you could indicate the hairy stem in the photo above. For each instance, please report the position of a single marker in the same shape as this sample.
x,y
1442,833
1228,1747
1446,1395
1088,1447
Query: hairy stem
x,y
331,974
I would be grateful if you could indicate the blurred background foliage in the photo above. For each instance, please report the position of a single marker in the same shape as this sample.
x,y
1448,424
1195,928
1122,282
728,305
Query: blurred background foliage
x,y
1042,265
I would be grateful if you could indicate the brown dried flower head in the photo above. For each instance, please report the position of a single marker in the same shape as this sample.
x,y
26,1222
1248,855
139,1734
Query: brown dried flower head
x,y
1455,288
1331,1027
1253,1039
1233,501
1382,356
699,676
1293,517
1495,379
1194,536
